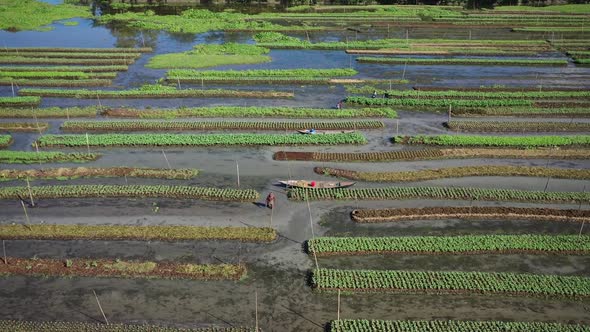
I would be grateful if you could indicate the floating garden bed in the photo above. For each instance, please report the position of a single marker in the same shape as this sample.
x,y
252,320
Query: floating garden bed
x,y
469,213
85,69
24,126
251,112
107,268
131,191
84,126
198,139
456,172
434,282
72,55
18,50
27,157
54,74
438,104
463,62
282,73
433,154
275,80
508,141
479,95
56,82
28,326
438,245
494,88
21,60
50,112
83,172
5,141
448,52
364,325
458,193
505,126
153,92
556,111
19,101
136,233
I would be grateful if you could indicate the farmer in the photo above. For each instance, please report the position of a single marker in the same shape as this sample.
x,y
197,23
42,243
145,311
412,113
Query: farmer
x,y
374,94
270,201
339,105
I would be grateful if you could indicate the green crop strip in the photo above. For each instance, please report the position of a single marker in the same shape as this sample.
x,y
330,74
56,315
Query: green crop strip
x,y
55,82
437,103
525,111
139,233
253,112
85,69
26,157
59,61
431,282
92,172
131,191
198,140
466,244
192,125
71,55
477,194
505,126
24,126
29,326
44,74
186,73
509,141
364,325
32,14
454,94
5,140
153,91
467,62
51,112
456,172
278,80
19,101
20,50
552,29
582,61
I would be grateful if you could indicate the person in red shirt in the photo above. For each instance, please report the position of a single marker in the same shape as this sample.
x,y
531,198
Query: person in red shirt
x,y
270,201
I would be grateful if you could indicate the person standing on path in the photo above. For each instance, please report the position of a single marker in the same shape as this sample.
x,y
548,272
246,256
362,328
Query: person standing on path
x,y
270,201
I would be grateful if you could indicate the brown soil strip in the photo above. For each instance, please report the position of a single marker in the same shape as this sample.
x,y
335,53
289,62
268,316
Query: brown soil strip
x,y
434,154
470,213
455,172
78,172
24,126
106,268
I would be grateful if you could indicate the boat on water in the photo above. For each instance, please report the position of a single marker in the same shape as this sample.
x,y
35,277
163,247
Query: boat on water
x,y
311,184
316,132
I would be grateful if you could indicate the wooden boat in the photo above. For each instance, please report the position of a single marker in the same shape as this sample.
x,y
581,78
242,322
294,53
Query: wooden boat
x,y
308,131
317,184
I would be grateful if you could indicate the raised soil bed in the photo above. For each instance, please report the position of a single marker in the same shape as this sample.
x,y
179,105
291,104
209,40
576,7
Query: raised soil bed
x,y
84,172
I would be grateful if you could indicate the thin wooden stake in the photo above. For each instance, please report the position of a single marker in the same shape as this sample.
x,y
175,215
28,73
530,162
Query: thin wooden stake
x,y
178,80
404,73
449,115
100,307
238,172
4,251
579,208
30,192
271,214
166,158
397,127
126,179
67,113
547,184
98,98
256,308
315,257
12,85
87,143
26,214
142,39
338,317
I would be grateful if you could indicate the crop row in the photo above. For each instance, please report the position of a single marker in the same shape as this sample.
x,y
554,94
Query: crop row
x,y
59,61
556,111
432,282
19,101
193,125
433,154
467,95
27,157
66,50
56,82
456,172
86,69
30,326
272,80
477,194
464,244
55,74
81,172
299,72
459,61
469,213
198,139
50,112
364,325
139,233
107,268
5,140
508,141
437,103
492,88
439,51
24,126
131,191
157,93
72,55
252,112
506,126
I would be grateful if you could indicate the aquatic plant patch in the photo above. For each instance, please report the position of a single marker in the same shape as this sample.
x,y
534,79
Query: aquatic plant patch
x,y
86,172
33,15
435,282
517,126
466,193
469,213
437,245
456,172
84,126
85,69
365,325
131,191
107,268
198,139
19,101
463,62
31,157
251,112
136,233
5,141
24,126
50,112
434,154
29,326
494,141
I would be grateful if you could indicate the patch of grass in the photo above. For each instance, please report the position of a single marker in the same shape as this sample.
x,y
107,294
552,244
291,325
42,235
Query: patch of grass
x,y
5,140
27,157
573,9
33,14
131,267
210,55
19,101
